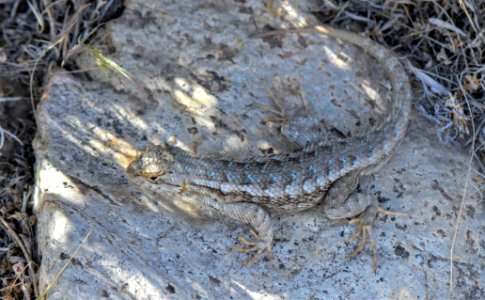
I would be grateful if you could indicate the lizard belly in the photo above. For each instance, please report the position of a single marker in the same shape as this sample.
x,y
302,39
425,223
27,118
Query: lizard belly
x,y
291,204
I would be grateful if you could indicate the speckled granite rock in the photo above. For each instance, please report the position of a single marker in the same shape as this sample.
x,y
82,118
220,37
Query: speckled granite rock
x,y
207,83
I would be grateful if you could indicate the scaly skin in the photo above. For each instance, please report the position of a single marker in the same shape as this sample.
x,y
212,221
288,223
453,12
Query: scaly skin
x,y
242,189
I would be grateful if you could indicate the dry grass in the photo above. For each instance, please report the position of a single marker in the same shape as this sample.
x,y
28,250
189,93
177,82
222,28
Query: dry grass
x,y
34,37
442,40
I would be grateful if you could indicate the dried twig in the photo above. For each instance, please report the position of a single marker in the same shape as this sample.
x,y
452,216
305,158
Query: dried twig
x,y
28,258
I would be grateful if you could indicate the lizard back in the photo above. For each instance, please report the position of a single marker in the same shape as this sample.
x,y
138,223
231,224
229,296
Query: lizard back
x,y
297,180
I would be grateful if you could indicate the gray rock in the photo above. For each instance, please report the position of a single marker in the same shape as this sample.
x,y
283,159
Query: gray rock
x,y
209,85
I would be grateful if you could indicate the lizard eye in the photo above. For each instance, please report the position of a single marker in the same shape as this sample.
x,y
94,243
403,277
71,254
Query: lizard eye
x,y
152,177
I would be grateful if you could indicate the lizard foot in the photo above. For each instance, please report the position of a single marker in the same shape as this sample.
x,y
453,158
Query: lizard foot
x,y
259,247
364,230
292,115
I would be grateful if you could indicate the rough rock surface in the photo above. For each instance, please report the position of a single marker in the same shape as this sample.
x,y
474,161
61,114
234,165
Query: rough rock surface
x,y
210,85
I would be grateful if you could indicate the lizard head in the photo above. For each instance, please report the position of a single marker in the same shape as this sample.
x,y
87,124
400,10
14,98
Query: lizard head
x,y
152,164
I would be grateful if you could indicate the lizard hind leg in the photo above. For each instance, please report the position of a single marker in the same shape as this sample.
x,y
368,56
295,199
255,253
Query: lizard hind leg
x,y
343,202
294,114
365,221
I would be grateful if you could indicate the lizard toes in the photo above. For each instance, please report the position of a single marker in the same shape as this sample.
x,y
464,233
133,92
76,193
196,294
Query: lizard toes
x,y
258,248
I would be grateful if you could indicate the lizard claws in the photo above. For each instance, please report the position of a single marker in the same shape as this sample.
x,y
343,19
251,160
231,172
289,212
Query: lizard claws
x,y
247,242
392,213
258,247
365,234
364,231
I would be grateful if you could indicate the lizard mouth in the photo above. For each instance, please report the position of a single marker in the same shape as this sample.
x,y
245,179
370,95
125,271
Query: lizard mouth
x,y
130,171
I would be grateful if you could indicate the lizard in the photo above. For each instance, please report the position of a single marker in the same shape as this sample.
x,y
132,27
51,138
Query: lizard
x,y
325,171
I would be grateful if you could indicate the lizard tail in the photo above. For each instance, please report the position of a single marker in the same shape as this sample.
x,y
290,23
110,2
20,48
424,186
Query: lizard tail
x,y
395,124
393,129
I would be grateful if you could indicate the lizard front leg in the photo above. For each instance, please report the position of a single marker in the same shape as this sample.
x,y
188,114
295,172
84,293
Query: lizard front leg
x,y
248,213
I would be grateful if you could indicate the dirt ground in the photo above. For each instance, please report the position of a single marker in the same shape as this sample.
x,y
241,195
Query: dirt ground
x,y
16,181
